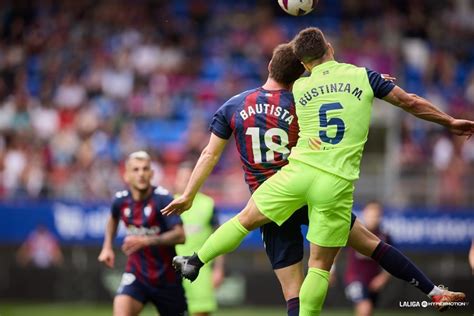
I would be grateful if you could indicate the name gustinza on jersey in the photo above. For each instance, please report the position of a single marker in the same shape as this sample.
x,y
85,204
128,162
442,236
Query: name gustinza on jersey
x,y
330,88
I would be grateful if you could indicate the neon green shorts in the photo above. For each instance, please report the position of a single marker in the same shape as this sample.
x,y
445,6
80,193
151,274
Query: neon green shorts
x,y
329,199
200,294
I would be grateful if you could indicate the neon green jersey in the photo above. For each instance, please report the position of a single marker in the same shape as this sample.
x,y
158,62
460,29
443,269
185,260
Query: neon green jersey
x,y
198,222
334,106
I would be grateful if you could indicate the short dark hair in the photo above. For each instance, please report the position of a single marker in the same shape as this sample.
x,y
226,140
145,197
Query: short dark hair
x,y
309,44
284,67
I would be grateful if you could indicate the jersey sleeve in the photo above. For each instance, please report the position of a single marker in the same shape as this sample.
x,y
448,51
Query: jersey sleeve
x,y
380,86
221,121
115,208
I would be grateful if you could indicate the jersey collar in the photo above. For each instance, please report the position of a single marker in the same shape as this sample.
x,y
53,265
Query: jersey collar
x,y
323,66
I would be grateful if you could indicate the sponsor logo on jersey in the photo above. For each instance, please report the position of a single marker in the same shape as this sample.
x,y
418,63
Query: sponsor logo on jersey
x,y
143,231
147,210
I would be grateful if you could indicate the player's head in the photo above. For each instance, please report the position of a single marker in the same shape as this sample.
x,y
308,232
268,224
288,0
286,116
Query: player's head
x,y
310,47
138,172
284,67
372,215
182,176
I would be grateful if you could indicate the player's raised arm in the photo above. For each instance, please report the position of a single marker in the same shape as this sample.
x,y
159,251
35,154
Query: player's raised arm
x,y
107,255
204,166
425,110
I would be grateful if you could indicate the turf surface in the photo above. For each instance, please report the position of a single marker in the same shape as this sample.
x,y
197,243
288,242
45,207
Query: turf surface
x,y
78,309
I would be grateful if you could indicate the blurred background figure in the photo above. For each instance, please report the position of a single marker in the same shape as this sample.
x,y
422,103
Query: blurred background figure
x,y
364,278
41,250
471,257
199,223
149,244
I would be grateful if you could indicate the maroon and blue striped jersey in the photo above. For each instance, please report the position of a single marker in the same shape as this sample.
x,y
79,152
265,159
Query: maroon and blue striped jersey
x,y
150,265
265,128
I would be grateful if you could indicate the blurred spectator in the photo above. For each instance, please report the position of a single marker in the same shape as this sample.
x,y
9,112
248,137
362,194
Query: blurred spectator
x,y
40,250
84,83
471,257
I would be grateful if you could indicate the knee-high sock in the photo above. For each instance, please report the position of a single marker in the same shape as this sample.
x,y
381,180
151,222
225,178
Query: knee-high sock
x,y
225,239
313,292
398,265
293,306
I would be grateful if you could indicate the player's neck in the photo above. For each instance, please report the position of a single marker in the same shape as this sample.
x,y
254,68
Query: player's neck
x,y
139,195
272,85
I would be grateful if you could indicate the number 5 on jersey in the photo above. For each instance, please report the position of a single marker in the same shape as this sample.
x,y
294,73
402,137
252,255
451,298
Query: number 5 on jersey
x,y
270,147
335,121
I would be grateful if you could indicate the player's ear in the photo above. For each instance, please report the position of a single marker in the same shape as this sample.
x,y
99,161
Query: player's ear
x,y
125,177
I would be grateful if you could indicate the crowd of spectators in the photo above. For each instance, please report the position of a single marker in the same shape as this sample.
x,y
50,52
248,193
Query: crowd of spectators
x,y
83,83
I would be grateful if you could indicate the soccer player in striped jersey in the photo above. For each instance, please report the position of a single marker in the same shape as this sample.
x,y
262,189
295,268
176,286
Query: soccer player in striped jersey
x,y
149,244
284,244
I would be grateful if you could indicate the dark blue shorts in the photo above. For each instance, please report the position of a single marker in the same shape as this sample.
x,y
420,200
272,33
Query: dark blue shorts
x,y
285,244
358,291
169,299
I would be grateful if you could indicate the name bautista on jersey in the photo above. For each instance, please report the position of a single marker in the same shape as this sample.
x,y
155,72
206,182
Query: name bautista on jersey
x,y
330,88
265,108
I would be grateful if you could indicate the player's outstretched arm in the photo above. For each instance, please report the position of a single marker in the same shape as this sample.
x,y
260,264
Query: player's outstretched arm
x,y
425,110
172,237
107,255
204,166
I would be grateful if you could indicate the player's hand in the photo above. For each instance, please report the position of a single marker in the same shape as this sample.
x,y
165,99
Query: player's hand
x,y
134,243
388,77
107,257
178,206
462,127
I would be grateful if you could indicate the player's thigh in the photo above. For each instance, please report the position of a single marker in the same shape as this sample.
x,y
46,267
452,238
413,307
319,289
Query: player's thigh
x,y
169,299
285,192
131,296
330,201
200,294
125,305
284,244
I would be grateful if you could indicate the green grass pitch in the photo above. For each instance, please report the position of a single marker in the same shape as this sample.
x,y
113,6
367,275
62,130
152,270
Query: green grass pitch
x,y
78,309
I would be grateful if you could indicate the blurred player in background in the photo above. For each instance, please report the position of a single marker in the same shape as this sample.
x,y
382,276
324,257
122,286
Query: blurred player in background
x,y
198,226
471,256
364,278
41,249
149,244
278,198
245,116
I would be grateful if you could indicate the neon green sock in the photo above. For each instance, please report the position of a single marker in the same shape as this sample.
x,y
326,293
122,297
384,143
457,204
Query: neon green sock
x,y
313,292
225,239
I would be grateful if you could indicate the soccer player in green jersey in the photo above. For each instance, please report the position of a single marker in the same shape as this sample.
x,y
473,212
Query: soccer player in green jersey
x,y
199,224
333,106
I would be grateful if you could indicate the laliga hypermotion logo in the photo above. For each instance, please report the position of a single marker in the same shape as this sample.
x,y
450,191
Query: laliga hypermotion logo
x,y
424,304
